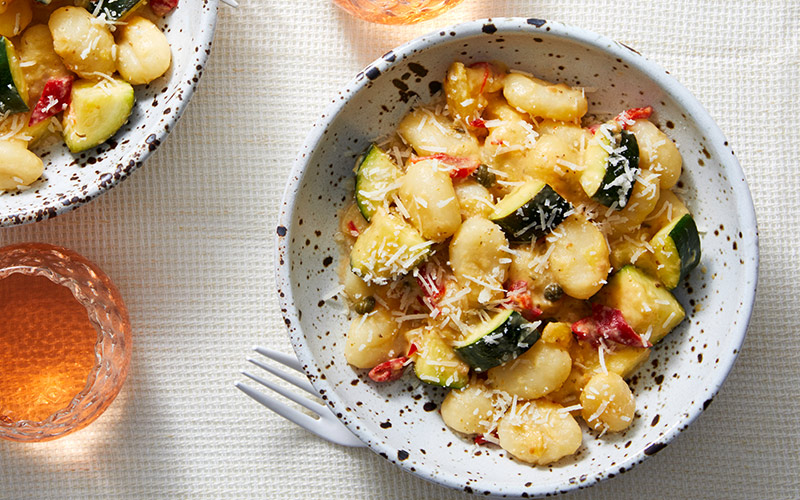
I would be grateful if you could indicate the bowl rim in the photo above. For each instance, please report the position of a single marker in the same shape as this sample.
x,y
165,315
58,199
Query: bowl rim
x,y
140,152
530,26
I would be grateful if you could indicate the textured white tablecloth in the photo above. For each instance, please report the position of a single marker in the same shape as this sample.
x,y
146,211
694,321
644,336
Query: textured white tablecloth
x,y
189,241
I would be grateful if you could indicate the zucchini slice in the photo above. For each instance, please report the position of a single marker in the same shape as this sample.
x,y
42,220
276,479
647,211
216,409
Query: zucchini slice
x,y
13,89
498,340
676,248
530,212
388,248
644,302
436,364
376,179
115,10
96,111
612,164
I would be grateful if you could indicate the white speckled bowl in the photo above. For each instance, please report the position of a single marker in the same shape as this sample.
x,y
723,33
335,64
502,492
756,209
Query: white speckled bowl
x,y
71,180
398,420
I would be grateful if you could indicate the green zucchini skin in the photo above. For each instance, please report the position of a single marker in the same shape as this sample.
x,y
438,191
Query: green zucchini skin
x,y
13,92
497,341
677,250
534,217
609,177
687,241
609,192
376,170
115,10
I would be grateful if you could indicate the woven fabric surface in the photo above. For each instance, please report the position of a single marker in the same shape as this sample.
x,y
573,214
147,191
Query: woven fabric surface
x,y
189,240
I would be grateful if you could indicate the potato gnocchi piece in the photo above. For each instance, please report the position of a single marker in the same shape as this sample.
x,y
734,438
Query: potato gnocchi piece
x,y
478,261
498,109
354,287
539,432
466,88
85,46
657,153
143,52
531,266
571,133
558,333
428,196
579,258
543,99
668,208
621,359
608,403
469,410
373,338
431,134
536,373
40,59
474,199
18,166
546,161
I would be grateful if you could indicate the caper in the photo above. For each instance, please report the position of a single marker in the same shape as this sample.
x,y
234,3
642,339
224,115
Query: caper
x,y
553,292
364,305
485,177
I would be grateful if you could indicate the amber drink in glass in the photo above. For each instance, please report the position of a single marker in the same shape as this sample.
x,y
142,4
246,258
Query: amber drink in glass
x,y
65,342
396,11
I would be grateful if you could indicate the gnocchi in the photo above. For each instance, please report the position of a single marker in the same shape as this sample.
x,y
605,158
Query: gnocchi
x,y
373,340
18,166
539,432
142,51
86,47
428,197
469,410
607,403
57,75
527,286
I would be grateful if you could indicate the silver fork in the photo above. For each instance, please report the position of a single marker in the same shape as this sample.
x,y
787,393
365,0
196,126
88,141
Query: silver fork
x,y
326,425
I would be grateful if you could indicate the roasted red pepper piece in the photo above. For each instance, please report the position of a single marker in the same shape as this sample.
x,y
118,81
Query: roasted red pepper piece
x,y
480,439
412,349
477,123
460,167
608,324
56,96
389,370
521,300
163,7
627,117
351,226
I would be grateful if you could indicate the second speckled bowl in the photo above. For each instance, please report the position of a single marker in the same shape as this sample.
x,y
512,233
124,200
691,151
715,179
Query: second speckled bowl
x,y
399,421
70,180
